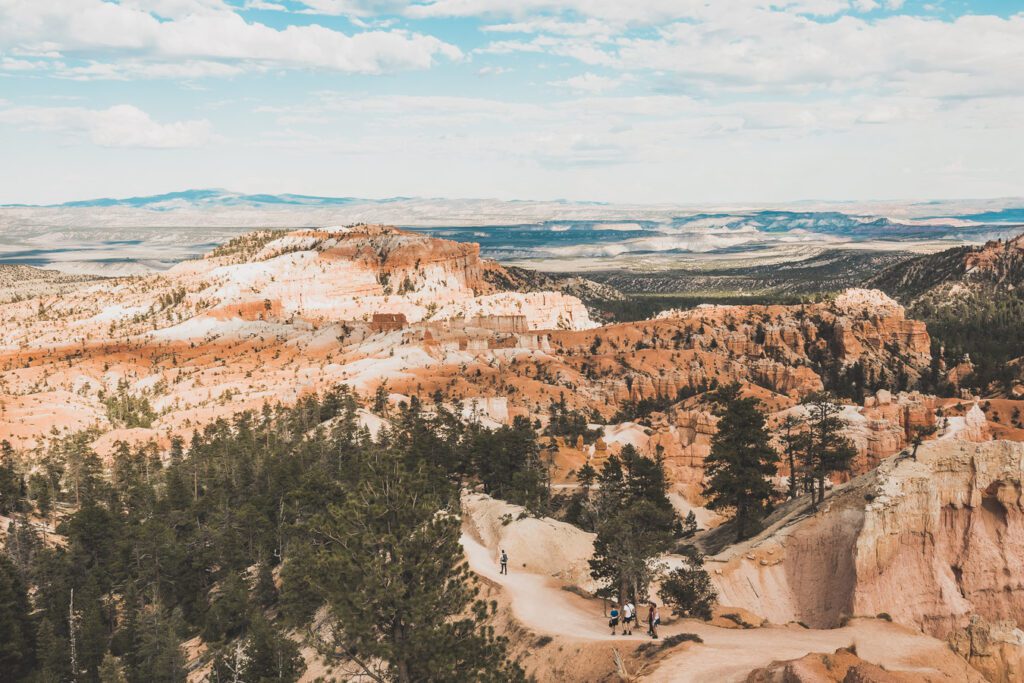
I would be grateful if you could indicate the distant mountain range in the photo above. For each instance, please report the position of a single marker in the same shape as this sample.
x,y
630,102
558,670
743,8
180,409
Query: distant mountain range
x,y
804,214
152,232
205,199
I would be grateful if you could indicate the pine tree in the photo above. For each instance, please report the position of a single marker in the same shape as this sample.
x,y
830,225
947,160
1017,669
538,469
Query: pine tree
x,y
827,450
159,653
53,665
388,563
580,509
270,657
687,589
794,442
111,670
265,591
741,461
635,523
922,432
508,463
93,634
10,482
17,639
689,526
229,614
39,489
84,470
23,543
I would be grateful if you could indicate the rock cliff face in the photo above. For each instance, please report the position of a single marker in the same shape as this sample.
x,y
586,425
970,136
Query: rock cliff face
x,y
931,542
879,429
350,273
266,317
996,650
790,350
845,666
272,315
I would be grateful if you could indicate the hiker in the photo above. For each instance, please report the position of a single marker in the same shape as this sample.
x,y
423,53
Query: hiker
x,y
614,621
628,618
653,619
504,562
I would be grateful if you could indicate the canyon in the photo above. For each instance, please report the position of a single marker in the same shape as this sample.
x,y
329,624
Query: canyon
x,y
925,549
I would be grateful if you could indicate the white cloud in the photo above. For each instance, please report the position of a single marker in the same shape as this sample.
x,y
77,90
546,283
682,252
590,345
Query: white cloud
x,y
823,8
764,45
202,31
599,129
493,70
352,8
585,50
132,69
176,9
589,83
122,125
263,5
745,98
589,28
11,64
779,52
637,12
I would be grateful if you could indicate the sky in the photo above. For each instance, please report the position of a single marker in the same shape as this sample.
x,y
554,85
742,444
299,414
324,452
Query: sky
x,y
623,101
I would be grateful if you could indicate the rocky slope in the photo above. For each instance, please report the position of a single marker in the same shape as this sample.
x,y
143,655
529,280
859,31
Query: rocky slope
x,y
882,426
844,666
353,273
787,350
972,300
593,294
266,317
546,588
274,314
22,282
998,262
932,543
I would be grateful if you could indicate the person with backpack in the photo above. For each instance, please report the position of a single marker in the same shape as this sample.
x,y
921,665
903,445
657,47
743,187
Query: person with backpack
x,y
628,618
614,621
653,619
504,562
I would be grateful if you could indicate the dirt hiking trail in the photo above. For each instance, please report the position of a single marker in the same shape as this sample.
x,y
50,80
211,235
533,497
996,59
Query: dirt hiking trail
x,y
541,604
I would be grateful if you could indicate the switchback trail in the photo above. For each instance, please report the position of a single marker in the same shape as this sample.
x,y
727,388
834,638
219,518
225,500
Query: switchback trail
x,y
542,605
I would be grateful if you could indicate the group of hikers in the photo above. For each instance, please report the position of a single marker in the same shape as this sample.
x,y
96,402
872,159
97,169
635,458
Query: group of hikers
x,y
629,616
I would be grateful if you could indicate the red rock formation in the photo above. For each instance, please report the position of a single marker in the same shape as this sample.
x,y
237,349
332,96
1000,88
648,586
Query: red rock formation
x,y
930,542
844,666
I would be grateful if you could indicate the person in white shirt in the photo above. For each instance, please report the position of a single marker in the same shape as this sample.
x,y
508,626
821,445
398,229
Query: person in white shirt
x,y
628,618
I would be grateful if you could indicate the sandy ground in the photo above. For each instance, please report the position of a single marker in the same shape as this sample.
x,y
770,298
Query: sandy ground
x,y
540,604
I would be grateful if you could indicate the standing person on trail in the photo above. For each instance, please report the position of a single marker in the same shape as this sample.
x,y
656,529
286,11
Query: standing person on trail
x,y
628,618
614,621
504,562
653,619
